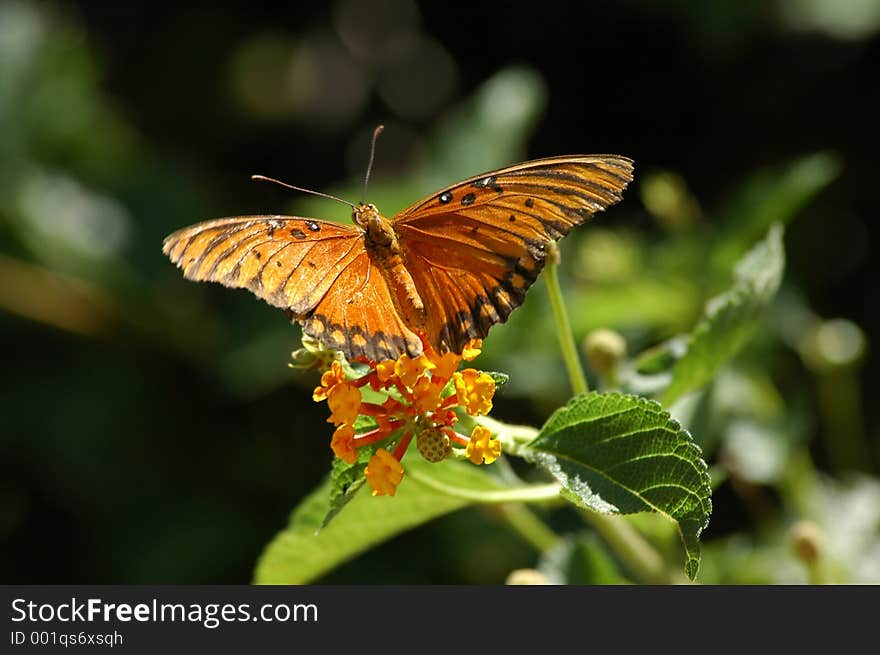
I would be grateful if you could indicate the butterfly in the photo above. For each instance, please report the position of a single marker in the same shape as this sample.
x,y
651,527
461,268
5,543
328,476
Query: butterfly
x,y
445,269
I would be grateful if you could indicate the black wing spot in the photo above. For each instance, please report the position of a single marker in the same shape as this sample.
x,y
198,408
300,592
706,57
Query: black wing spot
x,y
530,202
297,233
490,182
445,197
311,264
258,254
512,218
278,263
274,225
468,199
313,226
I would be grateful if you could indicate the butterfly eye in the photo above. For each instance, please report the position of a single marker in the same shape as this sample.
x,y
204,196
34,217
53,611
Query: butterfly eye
x,y
360,215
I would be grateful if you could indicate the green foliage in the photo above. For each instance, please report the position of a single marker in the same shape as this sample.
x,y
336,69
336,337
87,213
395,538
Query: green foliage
x,y
346,480
303,551
581,559
730,318
615,453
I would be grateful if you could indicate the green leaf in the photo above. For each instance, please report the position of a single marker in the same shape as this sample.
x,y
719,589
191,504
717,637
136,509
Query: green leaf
x,y
347,479
620,454
301,553
500,379
730,317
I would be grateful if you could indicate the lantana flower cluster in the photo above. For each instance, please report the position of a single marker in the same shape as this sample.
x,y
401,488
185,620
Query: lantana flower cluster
x,y
422,394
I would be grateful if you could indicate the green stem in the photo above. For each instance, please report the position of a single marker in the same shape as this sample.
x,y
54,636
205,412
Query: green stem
x,y
528,526
563,328
639,556
529,493
817,575
510,505
840,410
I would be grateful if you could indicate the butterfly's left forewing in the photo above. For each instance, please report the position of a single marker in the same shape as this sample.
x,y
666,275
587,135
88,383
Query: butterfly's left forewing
x,y
287,261
475,248
317,271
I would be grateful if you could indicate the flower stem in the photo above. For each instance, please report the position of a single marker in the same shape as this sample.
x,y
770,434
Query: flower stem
x,y
528,526
526,493
563,327
515,513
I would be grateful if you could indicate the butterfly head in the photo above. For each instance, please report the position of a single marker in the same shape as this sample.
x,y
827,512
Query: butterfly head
x,y
377,227
364,214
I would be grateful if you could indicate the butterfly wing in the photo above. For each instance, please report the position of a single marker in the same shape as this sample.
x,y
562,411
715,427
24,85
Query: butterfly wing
x,y
317,271
475,248
358,316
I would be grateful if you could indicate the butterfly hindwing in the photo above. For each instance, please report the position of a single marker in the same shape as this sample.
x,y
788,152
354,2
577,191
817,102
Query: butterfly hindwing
x,y
475,248
358,316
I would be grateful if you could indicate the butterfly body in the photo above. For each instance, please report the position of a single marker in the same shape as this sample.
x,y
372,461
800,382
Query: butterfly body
x,y
381,243
447,268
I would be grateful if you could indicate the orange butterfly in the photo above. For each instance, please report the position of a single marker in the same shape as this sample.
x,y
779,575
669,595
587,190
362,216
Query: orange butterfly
x,y
448,267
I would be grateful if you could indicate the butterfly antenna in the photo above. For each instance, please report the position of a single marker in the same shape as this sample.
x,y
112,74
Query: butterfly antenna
x,y
376,134
263,178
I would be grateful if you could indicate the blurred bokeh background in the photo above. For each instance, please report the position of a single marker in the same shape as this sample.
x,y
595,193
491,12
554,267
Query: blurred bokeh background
x,y
150,428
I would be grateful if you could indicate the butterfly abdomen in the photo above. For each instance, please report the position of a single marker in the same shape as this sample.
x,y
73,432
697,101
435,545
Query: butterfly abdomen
x,y
381,243
404,294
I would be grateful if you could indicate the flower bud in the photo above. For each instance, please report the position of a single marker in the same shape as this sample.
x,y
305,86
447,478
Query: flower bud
x,y
526,577
808,541
604,348
433,445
